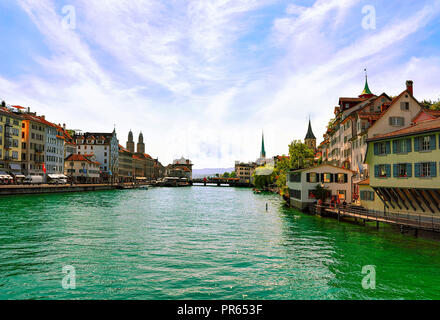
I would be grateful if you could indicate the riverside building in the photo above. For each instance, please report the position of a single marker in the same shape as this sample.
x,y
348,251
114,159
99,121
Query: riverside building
x,y
105,147
10,141
358,119
404,170
302,183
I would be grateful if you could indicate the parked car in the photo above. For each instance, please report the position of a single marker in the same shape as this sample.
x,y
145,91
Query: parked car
x,y
33,180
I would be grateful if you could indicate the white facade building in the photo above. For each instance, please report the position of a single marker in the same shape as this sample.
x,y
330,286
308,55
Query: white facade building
x,y
302,183
105,148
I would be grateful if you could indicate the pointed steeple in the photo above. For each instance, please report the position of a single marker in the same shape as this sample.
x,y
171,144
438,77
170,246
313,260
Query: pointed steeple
x,y
310,134
263,151
367,92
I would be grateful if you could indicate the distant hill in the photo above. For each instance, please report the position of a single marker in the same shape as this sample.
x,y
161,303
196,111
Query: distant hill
x,y
200,173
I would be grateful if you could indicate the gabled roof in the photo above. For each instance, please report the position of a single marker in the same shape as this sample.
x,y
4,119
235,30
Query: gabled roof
x,y
420,128
365,182
393,102
423,115
81,157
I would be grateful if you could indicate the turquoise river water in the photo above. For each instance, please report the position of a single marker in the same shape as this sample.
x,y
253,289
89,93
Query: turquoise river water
x,y
200,243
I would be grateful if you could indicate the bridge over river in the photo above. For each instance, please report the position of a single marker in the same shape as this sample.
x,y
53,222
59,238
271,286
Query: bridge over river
x,y
219,182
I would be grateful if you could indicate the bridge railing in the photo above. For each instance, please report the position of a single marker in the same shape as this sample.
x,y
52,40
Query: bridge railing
x,y
421,221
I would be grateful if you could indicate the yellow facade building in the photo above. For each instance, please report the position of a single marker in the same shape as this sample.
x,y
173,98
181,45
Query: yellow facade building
x,y
10,141
404,170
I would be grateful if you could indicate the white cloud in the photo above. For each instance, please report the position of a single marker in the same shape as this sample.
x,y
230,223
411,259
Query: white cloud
x,y
175,70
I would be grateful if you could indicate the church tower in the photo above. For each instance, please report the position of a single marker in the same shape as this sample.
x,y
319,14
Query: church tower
x,y
263,151
130,142
310,139
141,144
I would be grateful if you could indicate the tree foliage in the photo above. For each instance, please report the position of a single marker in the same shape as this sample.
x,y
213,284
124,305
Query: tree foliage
x,y
300,156
428,104
262,182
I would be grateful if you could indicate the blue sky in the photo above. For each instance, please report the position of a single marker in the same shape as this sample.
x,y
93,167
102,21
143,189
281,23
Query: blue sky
x,y
203,78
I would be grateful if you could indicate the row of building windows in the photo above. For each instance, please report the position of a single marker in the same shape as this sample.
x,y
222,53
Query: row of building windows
x,y
54,159
13,156
313,177
36,136
405,170
403,146
8,121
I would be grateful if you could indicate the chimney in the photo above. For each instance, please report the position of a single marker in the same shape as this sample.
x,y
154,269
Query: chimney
x,y
29,110
64,126
409,87
3,104
43,117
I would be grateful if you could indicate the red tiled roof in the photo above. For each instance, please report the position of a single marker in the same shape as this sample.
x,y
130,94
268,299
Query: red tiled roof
x,y
419,128
365,182
81,157
435,113
346,99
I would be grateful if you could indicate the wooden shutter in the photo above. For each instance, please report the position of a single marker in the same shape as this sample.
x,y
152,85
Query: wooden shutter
x,y
433,169
376,149
388,147
345,178
409,170
388,170
308,177
433,143
408,145
376,171
417,169
417,144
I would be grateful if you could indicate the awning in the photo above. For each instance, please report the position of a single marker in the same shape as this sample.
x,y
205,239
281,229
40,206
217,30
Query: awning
x,y
4,176
57,176
20,176
141,178
15,166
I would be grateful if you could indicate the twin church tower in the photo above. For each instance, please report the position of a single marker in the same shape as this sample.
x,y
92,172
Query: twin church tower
x,y
140,145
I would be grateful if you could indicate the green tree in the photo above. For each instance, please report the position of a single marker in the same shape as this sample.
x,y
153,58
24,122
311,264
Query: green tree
x,y
262,182
233,174
226,175
301,156
428,104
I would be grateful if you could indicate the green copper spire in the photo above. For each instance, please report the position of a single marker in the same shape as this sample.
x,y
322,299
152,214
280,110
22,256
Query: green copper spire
x,y
263,151
366,89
